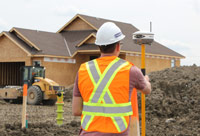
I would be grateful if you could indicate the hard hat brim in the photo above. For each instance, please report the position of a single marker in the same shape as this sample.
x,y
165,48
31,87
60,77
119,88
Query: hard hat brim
x,y
111,42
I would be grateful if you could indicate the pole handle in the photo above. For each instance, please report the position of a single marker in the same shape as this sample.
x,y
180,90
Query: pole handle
x,y
143,71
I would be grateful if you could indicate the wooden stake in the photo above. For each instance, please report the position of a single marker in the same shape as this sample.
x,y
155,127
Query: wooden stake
x,y
24,106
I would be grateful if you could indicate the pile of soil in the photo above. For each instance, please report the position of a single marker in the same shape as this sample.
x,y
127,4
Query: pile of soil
x,y
172,109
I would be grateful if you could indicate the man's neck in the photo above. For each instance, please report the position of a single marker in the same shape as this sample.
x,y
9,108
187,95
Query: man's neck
x,y
108,54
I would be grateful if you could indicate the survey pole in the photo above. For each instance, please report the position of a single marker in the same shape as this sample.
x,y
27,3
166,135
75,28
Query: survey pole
x,y
143,124
142,38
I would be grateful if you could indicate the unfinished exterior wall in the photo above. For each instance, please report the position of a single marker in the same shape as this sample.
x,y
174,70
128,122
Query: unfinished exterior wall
x,y
12,58
78,24
64,73
40,59
178,63
10,52
10,73
152,63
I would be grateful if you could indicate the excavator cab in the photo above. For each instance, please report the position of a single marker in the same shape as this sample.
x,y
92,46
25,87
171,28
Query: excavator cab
x,y
40,89
29,73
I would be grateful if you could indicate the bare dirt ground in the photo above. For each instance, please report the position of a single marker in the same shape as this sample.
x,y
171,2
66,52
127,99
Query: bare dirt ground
x,y
41,120
172,109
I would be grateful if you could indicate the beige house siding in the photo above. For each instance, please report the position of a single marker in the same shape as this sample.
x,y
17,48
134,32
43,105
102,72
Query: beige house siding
x,y
64,73
178,63
10,52
41,59
152,64
78,24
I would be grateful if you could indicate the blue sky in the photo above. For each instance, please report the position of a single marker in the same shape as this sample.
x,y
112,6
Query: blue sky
x,y
176,23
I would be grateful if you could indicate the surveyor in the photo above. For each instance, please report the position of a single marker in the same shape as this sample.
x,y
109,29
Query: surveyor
x,y
103,87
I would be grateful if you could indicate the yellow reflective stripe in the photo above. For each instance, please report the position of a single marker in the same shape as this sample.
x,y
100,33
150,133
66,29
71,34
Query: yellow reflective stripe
x,y
92,79
116,125
82,119
107,105
97,68
89,122
103,101
108,91
110,80
111,97
90,74
124,120
108,114
101,77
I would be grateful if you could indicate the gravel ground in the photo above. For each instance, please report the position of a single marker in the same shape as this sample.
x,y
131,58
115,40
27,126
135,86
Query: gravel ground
x,y
172,109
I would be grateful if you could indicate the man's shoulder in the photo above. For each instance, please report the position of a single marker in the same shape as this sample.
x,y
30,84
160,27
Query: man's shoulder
x,y
135,70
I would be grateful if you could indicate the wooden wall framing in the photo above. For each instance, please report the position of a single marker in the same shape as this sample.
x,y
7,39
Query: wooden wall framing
x,y
10,73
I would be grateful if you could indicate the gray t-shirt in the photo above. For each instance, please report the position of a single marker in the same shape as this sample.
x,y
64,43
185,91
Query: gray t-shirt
x,y
136,81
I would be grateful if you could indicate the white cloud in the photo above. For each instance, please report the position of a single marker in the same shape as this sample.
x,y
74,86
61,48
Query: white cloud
x,y
3,24
69,10
196,6
178,46
189,50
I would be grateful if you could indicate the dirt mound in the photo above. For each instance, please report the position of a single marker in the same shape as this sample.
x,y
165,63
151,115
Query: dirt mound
x,y
172,109
68,92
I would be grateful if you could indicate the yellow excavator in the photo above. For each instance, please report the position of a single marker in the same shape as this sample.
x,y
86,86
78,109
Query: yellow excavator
x,y
40,89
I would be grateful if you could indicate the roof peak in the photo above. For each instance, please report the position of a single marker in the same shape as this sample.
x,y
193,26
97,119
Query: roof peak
x,y
100,18
19,28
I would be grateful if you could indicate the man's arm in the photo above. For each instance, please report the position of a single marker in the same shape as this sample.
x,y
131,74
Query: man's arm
x,y
77,106
147,88
138,81
77,102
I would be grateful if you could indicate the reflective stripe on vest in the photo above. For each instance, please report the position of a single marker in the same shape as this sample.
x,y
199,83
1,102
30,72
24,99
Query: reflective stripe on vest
x,y
107,110
101,92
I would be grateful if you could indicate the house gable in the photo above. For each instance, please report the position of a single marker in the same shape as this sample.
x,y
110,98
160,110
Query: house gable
x,y
88,40
10,50
24,38
77,23
91,40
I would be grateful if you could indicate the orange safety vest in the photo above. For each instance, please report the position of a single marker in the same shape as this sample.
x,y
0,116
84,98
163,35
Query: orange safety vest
x,y
104,87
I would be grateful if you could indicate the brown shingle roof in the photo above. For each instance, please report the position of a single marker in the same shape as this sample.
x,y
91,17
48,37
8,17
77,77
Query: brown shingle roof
x,y
128,30
65,43
21,43
48,43
73,38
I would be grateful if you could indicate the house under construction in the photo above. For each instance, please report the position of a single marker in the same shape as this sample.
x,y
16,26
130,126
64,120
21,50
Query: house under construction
x,y
62,52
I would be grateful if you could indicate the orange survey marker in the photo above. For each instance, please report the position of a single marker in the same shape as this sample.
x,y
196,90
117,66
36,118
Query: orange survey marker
x,y
25,90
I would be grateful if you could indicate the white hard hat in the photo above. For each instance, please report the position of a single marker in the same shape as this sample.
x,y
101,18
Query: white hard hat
x,y
108,33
